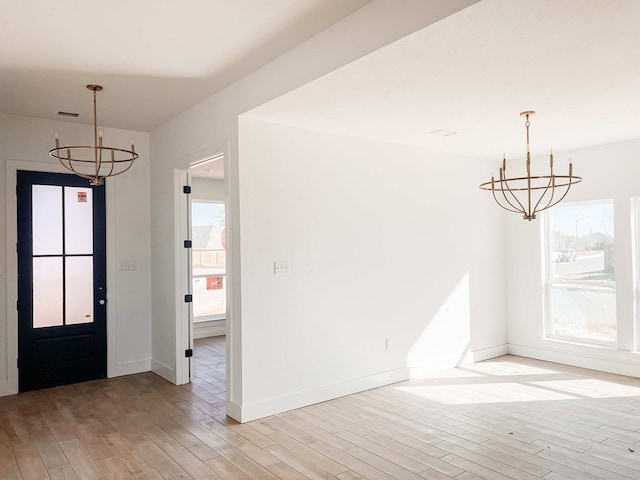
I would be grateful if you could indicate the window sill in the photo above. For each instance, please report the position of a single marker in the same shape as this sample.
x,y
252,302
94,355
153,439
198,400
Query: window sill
x,y
578,343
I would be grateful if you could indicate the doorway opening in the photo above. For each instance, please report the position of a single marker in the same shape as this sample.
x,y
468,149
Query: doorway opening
x,y
203,270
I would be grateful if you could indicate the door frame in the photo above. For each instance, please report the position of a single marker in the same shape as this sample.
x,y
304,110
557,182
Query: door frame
x,y
183,315
12,166
182,212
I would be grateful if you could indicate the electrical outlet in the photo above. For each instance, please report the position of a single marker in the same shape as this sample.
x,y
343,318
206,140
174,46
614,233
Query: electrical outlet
x,y
281,267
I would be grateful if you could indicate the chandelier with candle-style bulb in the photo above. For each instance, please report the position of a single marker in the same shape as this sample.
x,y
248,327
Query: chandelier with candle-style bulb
x,y
530,194
94,162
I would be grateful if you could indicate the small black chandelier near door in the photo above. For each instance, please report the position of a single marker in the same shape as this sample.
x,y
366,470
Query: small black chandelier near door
x,y
94,162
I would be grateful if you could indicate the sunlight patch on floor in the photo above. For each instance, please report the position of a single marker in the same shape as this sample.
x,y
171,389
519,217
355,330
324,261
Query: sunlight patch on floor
x,y
591,388
483,393
504,368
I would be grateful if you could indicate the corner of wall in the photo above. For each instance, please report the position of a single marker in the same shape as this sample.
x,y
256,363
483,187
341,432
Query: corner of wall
x,y
164,371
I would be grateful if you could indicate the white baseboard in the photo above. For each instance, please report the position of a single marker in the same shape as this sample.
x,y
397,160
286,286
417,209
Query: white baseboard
x,y
234,410
451,361
213,328
129,368
164,371
7,389
247,413
583,356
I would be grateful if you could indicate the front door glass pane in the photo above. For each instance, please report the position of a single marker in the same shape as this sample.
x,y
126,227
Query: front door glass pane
x,y
47,219
47,292
79,290
78,220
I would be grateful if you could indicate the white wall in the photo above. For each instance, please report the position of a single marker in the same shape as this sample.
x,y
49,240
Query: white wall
x,y
24,144
201,131
207,189
609,172
384,242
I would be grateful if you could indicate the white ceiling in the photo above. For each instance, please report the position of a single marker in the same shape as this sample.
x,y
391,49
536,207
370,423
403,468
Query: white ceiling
x,y
576,62
211,168
155,58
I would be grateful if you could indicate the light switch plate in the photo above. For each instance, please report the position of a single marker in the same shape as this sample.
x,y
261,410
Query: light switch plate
x,y
281,267
127,266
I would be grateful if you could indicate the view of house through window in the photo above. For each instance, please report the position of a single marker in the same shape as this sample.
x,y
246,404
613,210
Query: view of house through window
x,y
581,281
209,260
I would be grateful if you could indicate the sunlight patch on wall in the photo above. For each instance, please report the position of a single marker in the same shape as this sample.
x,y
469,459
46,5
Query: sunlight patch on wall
x,y
448,332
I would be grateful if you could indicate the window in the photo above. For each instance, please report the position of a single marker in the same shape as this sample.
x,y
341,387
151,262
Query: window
x,y
208,260
581,282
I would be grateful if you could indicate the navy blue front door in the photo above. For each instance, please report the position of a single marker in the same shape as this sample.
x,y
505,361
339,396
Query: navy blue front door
x,y
61,280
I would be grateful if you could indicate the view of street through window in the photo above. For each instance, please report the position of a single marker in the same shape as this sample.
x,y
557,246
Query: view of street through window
x,y
581,273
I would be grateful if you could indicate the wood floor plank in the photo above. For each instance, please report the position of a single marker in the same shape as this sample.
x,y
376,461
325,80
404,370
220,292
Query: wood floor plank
x,y
304,467
285,471
64,472
382,452
8,463
489,462
530,466
225,469
301,450
420,452
113,468
29,461
80,460
245,464
351,462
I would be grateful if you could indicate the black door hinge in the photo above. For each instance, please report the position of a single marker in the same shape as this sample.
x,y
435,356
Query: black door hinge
x,y
187,244
186,189
188,298
188,353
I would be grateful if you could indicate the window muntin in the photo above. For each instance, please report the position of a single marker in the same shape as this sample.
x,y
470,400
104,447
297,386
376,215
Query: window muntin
x,y
581,283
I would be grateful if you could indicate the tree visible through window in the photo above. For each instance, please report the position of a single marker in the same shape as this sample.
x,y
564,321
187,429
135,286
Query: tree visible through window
x,y
581,281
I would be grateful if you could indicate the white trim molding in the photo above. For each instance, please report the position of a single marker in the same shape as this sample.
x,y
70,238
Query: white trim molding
x,y
604,359
254,411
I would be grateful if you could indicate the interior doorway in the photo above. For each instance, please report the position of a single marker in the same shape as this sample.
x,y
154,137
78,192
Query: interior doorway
x,y
202,266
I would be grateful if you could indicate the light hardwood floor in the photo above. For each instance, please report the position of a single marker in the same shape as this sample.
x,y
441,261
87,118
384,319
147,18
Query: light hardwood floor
x,y
507,418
